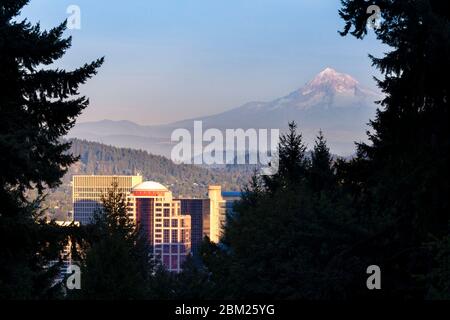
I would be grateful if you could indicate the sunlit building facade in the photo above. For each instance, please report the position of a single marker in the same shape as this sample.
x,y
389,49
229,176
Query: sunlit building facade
x,y
222,206
158,216
209,215
87,191
173,228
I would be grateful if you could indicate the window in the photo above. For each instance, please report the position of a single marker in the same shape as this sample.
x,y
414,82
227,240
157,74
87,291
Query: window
x,y
166,261
174,262
174,223
166,223
166,212
182,260
174,235
166,236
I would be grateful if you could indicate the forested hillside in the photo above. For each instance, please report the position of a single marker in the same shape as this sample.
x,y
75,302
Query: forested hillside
x,y
100,159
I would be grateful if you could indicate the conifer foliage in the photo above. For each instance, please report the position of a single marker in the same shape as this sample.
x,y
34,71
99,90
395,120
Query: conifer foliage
x,y
400,176
38,105
116,260
289,235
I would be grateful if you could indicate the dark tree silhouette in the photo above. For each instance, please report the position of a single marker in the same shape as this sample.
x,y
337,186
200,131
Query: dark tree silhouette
x,y
400,176
321,173
286,238
38,105
117,263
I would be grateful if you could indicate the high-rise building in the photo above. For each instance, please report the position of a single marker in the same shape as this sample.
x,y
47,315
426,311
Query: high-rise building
x,y
209,215
87,192
199,211
159,217
221,204
173,227
218,213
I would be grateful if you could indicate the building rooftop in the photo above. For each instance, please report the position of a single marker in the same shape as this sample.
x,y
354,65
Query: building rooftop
x,y
231,194
150,186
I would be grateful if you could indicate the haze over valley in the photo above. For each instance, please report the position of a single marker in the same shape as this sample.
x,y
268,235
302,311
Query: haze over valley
x,y
332,101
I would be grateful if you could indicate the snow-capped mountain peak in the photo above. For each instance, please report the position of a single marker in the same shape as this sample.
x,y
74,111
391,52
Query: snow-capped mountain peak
x,y
332,102
330,81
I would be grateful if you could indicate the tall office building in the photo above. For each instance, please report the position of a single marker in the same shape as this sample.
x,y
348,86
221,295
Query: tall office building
x,y
87,192
218,213
159,217
209,215
199,211
173,227
221,206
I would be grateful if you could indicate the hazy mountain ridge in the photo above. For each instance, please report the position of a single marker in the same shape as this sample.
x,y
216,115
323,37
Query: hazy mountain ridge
x,y
334,102
182,180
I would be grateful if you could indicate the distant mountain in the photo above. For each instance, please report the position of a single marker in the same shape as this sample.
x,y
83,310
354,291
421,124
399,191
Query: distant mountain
x,y
334,102
182,180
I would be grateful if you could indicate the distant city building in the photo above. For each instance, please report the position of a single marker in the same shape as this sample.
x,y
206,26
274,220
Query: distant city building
x,y
199,210
230,197
174,228
159,217
218,213
209,215
87,191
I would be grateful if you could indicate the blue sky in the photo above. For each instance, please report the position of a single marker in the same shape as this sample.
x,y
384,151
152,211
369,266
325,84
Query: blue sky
x,y
169,60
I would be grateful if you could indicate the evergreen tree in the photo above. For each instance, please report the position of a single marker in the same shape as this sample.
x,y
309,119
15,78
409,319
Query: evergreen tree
x,y
400,177
37,107
284,241
117,262
193,281
163,284
321,173
292,160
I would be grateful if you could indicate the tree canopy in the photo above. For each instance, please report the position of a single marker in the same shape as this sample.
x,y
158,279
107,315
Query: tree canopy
x,y
38,105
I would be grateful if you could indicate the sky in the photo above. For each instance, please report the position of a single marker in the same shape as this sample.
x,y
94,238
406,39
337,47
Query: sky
x,y
169,60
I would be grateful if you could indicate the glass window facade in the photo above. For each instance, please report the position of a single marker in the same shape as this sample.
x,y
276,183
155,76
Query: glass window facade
x,y
198,210
167,231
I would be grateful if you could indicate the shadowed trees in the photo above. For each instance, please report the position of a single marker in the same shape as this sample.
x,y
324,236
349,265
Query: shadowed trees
x,y
116,261
398,178
38,105
290,234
